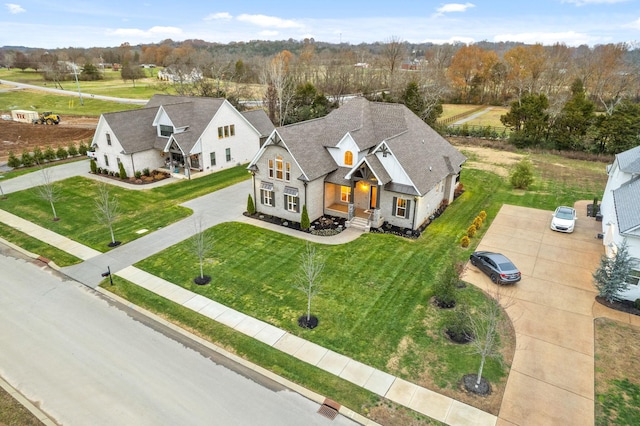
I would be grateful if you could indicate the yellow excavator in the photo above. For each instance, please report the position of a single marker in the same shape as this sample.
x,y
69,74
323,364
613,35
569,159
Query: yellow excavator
x,y
47,118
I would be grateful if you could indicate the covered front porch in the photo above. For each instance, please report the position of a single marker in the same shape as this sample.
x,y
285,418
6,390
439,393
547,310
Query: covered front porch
x,y
358,200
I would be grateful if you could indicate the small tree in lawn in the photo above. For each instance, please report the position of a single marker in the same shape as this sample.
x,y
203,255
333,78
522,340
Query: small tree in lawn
x,y
107,210
522,174
308,281
49,191
251,207
201,244
611,276
486,325
444,288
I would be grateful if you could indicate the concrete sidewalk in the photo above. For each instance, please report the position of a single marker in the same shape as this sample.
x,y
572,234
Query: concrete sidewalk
x,y
424,401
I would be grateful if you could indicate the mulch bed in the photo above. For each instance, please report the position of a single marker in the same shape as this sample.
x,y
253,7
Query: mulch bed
x,y
626,306
204,280
469,384
310,323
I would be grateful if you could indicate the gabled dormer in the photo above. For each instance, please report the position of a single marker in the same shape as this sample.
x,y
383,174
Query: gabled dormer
x,y
345,153
164,126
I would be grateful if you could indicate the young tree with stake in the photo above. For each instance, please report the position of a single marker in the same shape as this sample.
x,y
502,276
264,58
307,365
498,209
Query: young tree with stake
x,y
48,191
201,244
107,210
308,281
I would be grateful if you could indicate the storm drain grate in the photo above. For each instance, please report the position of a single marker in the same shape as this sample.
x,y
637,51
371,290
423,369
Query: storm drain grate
x,y
329,409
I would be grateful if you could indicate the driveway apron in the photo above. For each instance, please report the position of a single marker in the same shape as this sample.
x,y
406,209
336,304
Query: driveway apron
x,y
552,376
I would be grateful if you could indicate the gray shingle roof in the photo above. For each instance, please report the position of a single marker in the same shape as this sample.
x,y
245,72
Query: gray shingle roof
x,y
133,129
259,119
629,161
425,155
627,205
136,133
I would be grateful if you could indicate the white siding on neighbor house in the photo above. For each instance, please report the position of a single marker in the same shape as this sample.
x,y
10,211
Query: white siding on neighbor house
x,y
102,148
243,145
151,159
161,119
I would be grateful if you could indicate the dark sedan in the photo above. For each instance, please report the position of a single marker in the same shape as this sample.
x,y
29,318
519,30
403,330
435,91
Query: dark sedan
x,y
500,269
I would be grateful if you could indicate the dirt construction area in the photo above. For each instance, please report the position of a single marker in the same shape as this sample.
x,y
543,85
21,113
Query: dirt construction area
x,y
16,137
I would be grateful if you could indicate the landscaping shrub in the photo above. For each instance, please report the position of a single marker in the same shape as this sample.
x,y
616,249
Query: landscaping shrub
x,y
13,161
49,153
522,174
123,173
636,304
27,159
457,325
477,222
465,241
304,219
72,150
62,153
471,231
138,174
445,287
83,149
38,156
116,174
251,208
93,166
482,215
146,171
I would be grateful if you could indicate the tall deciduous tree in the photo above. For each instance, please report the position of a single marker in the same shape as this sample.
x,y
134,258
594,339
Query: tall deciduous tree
x,y
470,70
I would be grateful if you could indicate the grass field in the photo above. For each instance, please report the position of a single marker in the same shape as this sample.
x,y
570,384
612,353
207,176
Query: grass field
x,y
138,209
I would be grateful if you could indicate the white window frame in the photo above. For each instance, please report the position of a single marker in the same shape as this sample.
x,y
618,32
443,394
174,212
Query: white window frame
x,y
279,167
287,171
271,168
292,203
267,197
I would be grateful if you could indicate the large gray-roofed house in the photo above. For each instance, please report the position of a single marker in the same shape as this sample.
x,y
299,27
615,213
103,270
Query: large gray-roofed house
x,y
376,161
181,134
620,211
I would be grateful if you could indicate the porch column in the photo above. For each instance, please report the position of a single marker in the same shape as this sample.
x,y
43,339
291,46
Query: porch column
x,y
352,208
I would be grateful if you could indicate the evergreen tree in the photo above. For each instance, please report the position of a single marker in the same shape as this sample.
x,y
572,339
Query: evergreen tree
x,y
528,120
619,131
611,276
251,207
571,125
304,219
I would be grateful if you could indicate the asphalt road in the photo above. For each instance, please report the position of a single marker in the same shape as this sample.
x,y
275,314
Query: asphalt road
x,y
87,360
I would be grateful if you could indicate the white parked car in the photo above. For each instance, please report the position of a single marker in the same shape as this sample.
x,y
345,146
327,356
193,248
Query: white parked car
x,y
564,219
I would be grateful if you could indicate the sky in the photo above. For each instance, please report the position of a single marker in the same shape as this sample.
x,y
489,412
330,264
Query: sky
x,y
72,23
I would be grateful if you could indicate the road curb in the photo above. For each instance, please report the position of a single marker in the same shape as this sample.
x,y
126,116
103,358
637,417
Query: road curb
x,y
15,394
313,396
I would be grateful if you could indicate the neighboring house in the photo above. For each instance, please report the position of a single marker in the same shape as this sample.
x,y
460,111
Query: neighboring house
x,y
181,134
620,211
376,162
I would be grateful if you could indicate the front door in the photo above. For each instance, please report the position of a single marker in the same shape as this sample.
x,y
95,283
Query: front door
x,y
373,195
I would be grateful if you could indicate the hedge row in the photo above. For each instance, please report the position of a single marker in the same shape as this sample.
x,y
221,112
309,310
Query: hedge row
x,y
38,156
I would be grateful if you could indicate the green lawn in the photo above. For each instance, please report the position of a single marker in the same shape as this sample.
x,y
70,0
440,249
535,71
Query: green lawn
x,y
139,209
36,246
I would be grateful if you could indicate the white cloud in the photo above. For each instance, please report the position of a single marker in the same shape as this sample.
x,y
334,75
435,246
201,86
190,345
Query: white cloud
x,y
220,15
269,21
570,38
153,32
585,2
14,8
635,24
454,7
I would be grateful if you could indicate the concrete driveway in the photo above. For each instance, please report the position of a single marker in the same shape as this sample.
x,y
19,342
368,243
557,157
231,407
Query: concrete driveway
x,y
552,376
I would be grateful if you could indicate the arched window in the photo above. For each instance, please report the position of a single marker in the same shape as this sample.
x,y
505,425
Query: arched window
x,y
348,158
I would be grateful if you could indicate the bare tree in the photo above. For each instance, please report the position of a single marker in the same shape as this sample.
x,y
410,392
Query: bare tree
x,y
279,85
486,326
201,244
308,281
393,52
107,210
49,191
